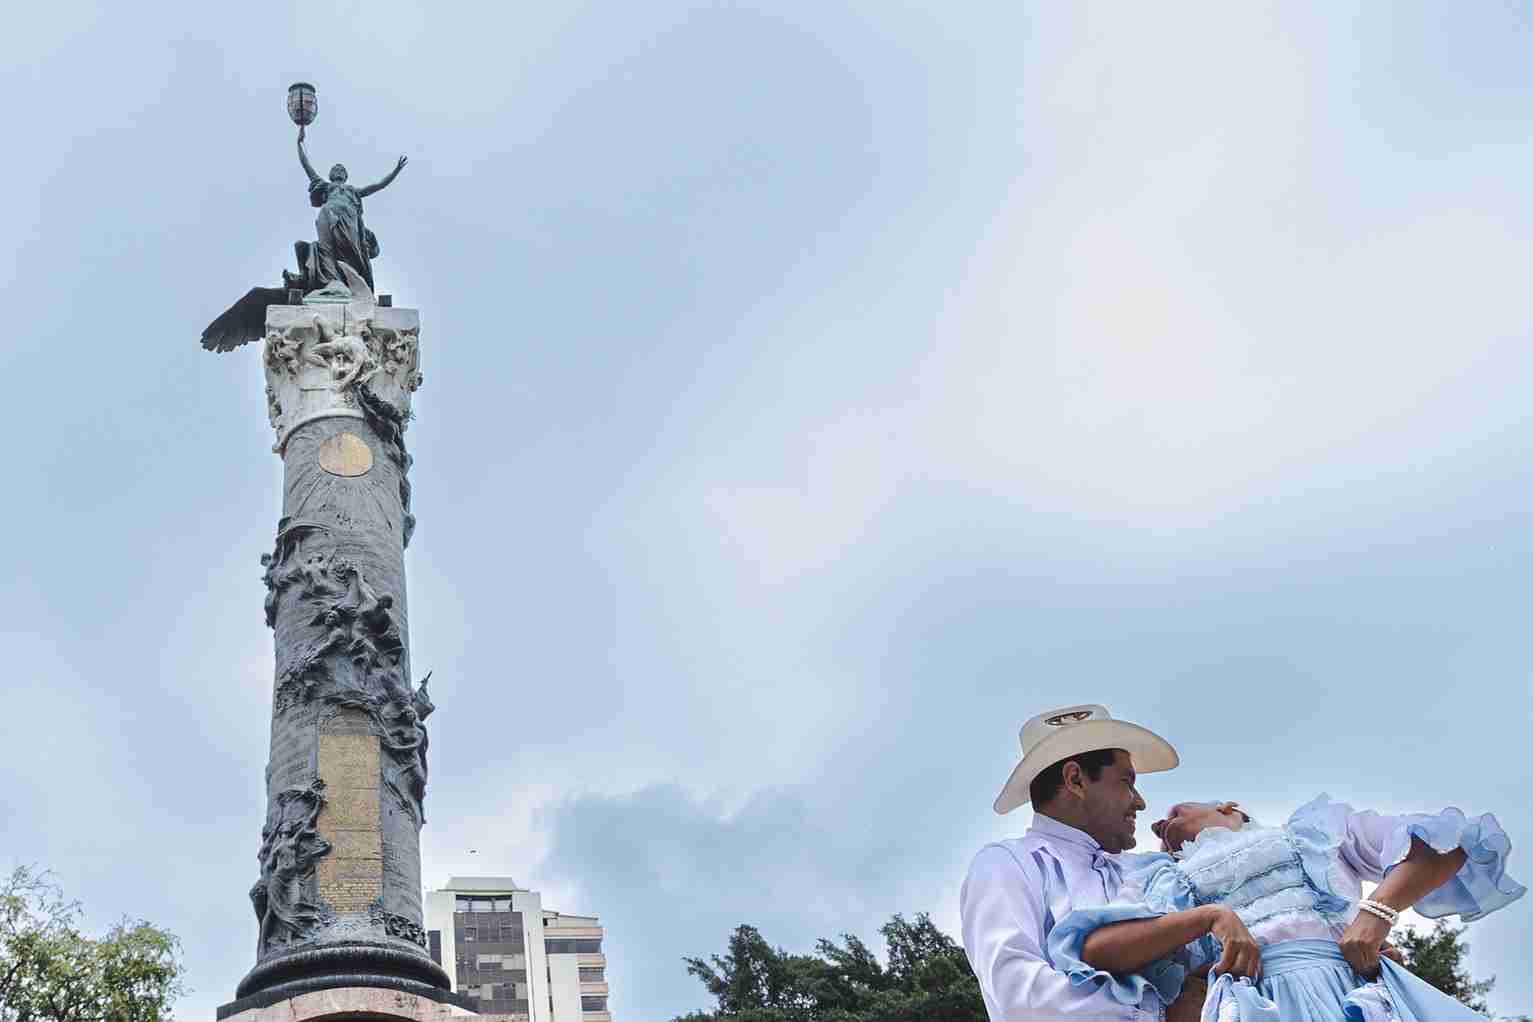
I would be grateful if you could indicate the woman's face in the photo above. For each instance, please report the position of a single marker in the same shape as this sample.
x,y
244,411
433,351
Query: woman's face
x,y
338,174
1187,820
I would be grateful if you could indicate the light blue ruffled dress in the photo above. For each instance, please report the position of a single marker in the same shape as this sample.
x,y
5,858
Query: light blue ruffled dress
x,y
1296,888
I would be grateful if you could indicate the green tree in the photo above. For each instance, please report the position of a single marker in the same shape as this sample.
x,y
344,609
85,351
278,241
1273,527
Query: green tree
x,y
51,972
926,979
1439,958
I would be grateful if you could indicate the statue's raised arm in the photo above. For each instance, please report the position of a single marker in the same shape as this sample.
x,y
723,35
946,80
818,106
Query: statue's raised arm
x,y
303,158
366,190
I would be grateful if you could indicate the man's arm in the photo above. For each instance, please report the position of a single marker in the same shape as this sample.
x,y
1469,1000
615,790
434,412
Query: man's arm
x,y
1003,913
1130,946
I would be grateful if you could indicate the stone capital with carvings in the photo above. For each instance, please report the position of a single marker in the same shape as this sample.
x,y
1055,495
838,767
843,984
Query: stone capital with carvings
x,y
318,355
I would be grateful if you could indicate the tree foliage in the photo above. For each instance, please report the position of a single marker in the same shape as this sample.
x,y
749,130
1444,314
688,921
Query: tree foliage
x,y
925,977
1439,958
51,972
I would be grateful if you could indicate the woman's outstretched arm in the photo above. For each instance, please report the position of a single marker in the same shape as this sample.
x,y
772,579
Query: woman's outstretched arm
x,y
303,158
370,189
1423,871
1130,946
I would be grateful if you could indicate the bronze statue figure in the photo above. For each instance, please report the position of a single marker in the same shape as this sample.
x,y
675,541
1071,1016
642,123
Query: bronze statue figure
x,y
342,241
343,237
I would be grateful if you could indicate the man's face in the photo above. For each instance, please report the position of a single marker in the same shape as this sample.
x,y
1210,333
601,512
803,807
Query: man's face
x,y
1112,803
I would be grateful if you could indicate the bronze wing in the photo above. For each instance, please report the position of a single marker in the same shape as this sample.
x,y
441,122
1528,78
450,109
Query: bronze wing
x,y
244,321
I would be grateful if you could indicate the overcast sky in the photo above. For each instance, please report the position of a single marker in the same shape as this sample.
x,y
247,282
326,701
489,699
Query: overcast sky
x,y
813,392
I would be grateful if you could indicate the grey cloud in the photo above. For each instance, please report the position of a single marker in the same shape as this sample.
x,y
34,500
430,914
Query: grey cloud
x,y
672,876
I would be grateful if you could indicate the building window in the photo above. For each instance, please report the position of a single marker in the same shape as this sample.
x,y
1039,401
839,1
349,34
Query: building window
x,y
511,934
593,1004
464,905
470,933
435,937
596,975
484,904
572,947
502,904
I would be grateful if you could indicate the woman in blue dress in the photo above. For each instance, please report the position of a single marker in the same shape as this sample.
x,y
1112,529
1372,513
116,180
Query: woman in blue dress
x,y
1278,915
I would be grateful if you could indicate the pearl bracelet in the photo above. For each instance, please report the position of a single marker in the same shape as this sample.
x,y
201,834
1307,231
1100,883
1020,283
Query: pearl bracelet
x,y
1380,910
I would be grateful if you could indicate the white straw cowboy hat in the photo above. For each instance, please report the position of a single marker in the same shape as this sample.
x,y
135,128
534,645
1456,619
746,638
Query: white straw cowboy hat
x,y
1059,734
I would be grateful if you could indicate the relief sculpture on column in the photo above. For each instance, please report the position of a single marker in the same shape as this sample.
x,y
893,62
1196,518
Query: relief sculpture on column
x,y
286,907
354,658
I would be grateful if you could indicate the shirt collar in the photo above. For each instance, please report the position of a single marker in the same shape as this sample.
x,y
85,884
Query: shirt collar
x,y
1047,826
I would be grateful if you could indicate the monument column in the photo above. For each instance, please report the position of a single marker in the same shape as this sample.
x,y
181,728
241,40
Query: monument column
x,y
338,896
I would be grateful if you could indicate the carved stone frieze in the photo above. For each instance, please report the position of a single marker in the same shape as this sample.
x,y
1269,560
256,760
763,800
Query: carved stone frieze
x,y
286,905
347,358
319,356
400,355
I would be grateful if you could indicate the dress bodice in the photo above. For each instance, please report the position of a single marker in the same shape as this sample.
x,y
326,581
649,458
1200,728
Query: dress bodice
x,y
1260,873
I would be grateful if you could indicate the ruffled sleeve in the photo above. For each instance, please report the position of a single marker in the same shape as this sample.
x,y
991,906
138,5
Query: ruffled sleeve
x,y
1155,888
1371,845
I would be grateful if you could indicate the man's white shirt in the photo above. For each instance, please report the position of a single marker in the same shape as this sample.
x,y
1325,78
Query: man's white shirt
x,y
1014,894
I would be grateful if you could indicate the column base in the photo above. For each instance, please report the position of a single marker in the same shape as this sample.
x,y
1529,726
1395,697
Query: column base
x,y
349,1002
388,970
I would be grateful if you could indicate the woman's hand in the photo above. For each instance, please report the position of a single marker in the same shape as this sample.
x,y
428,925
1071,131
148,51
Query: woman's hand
x,y
1241,956
1361,943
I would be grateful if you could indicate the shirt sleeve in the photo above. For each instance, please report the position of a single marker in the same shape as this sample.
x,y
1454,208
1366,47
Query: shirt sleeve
x,y
1003,915
1374,844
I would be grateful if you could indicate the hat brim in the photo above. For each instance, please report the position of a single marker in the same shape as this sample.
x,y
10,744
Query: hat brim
x,y
1150,752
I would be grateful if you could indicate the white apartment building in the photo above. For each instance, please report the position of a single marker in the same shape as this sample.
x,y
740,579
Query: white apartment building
x,y
523,962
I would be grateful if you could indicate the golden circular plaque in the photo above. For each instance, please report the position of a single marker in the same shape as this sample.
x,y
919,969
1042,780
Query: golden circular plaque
x,y
345,454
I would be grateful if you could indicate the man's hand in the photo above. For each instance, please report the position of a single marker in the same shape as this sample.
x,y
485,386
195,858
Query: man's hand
x,y
1188,1006
1361,943
1242,957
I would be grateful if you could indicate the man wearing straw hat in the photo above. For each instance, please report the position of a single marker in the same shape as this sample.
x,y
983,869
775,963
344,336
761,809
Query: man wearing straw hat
x,y
1079,768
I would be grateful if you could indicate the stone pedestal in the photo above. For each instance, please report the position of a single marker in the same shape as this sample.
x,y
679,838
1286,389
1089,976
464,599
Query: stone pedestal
x,y
338,897
353,1003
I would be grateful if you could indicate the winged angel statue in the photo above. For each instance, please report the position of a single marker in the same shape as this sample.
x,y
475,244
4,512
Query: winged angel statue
x,y
342,243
